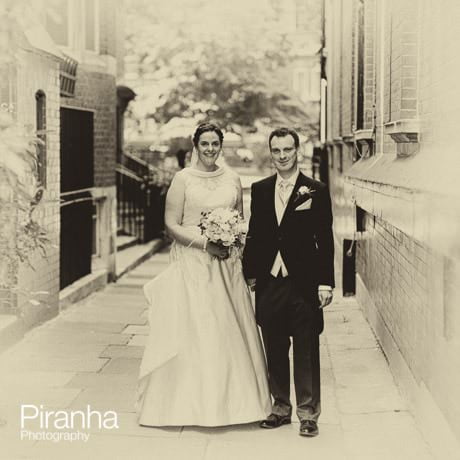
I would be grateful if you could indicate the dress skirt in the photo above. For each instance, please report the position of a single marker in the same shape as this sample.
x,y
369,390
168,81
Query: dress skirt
x,y
203,363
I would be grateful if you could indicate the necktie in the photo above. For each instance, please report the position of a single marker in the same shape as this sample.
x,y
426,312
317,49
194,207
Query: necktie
x,y
284,191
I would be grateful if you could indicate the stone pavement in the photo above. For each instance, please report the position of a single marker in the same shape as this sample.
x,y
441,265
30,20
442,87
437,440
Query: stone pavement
x,y
91,353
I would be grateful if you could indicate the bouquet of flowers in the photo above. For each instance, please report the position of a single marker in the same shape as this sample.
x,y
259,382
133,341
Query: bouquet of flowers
x,y
223,226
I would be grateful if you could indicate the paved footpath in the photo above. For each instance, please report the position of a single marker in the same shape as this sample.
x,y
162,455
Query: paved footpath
x,y
91,353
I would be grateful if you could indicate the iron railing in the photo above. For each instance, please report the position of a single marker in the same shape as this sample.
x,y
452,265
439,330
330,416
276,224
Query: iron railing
x,y
140,205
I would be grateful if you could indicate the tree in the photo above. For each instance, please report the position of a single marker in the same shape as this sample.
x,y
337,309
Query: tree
x,y
21,236
210,60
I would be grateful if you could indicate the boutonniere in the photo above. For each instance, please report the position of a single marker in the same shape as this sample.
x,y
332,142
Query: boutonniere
x,y
304,193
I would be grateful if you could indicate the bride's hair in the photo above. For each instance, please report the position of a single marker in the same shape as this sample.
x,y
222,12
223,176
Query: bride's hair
x,y
205,127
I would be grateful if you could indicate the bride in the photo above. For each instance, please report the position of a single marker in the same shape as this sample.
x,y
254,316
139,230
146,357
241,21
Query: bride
x,y
203,363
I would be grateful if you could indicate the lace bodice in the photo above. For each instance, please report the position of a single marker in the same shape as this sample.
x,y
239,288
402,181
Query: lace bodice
x,y
192,192
206,191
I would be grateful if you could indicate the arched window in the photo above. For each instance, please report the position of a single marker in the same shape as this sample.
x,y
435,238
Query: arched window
x,y
40,99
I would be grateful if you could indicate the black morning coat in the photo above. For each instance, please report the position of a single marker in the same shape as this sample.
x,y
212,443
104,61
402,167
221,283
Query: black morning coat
x,y
304,238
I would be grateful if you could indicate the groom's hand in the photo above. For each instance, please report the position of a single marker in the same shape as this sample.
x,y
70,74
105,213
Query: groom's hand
x,y
251,282
325,297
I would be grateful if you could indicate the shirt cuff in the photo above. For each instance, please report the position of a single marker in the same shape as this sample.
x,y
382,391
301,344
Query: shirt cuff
x,y
324,287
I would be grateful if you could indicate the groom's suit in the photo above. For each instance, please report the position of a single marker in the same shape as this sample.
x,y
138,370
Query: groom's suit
x,y
287,303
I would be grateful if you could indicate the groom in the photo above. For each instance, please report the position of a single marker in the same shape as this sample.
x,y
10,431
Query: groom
x,y
289,261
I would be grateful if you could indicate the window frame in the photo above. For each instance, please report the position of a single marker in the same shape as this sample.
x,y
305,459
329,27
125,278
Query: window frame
x,y
96,11
40,125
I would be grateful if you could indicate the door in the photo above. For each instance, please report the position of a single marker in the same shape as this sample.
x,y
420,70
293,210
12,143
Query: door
x,y
77,177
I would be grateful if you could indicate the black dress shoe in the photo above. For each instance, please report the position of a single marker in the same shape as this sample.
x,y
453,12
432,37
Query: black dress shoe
x,y
275,421
308,428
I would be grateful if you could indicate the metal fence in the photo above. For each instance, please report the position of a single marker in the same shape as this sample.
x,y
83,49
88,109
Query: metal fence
x,y
140,205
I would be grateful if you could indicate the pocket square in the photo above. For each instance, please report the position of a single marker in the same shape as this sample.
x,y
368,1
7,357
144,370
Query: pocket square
x,y
304,206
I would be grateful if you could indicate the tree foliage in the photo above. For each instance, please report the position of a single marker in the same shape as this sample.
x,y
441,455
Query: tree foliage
x,y
200,59
21,236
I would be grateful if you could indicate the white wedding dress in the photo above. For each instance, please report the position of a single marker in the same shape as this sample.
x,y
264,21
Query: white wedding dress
x,y
203,363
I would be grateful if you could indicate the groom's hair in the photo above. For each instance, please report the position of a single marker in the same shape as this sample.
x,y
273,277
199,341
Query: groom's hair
x,y
204,128
282,132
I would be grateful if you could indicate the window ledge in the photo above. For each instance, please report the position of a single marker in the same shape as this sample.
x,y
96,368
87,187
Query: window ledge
x,y
364,139
403,131
364,135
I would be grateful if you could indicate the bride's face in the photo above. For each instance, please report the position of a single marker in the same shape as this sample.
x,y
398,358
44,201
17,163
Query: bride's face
x,y
208,149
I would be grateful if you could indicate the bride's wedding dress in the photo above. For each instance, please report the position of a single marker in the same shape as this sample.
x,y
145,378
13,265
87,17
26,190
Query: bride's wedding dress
x,y
203,363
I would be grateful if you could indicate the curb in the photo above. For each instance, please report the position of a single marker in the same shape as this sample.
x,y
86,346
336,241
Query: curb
x,y
149,249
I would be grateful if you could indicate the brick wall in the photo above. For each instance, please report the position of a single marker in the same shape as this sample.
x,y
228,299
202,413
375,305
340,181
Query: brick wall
x,y
97,91
394,268
35,73
383,37
403,59
408,258
415,290
369,64
347,78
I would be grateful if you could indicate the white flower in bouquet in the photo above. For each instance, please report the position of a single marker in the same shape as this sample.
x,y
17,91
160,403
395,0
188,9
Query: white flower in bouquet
x,y
223,226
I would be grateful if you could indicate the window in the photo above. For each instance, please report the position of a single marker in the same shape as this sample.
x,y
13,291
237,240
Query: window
x,y
360,219
360,68
330,152
340,157
57,16
40,109
95,251
91,25
68,76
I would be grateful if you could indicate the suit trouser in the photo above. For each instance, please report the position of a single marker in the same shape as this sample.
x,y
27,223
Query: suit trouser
x,y
292,318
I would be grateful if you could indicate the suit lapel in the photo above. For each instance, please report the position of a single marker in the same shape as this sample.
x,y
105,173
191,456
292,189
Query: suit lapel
x,y
270,197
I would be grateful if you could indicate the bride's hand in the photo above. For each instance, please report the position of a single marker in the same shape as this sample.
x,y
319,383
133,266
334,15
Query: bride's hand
x,y
216,250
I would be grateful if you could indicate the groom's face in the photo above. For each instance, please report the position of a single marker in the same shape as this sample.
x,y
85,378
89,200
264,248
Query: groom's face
x,y
284,153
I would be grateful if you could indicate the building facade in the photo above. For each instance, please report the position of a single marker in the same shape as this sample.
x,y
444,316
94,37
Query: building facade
x,y
62,85
391,115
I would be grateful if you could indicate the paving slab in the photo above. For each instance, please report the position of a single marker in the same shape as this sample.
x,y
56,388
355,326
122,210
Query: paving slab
x,y
127,300
114,447
365,398
94,324
13,448
389,435
137,341
71,363
100,380
110,398
58,337
141,330
122,366
129,426
50,348
299,448
122,351
361,367
48,397
49,379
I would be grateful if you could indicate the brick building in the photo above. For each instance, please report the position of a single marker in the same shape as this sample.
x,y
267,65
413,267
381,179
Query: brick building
x,y
391,120
63,84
